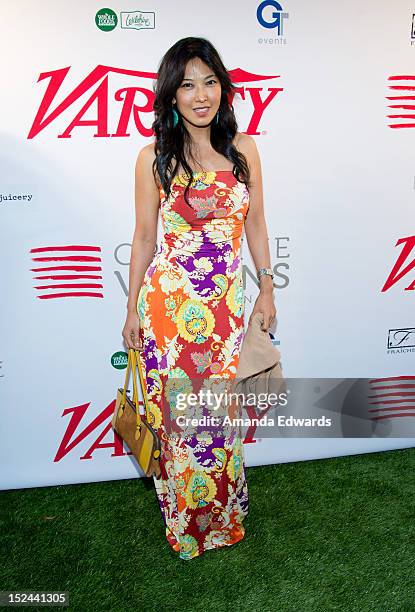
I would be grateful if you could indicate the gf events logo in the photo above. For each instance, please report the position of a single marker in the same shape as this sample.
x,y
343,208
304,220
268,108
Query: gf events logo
x,y
106,20
269,15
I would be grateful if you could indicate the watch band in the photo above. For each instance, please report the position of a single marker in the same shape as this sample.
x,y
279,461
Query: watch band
x,y
267,271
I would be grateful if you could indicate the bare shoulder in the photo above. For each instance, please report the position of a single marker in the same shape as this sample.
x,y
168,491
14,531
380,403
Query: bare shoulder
x,y
243,140
144,163
246,144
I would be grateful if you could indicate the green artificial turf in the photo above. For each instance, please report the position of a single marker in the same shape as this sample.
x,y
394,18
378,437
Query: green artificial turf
x,y
330,534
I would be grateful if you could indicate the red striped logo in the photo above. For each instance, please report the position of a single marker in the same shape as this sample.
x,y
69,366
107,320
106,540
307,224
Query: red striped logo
x,y
404,115
68,271
394,396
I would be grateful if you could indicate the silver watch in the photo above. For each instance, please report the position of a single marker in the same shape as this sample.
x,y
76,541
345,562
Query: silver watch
x,y
263,271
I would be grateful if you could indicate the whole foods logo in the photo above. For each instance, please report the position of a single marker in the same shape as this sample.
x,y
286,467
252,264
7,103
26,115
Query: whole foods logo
x,y
119,360
106,20
249,89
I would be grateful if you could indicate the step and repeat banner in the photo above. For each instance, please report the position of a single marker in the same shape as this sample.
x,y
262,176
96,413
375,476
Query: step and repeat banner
x,y
328,95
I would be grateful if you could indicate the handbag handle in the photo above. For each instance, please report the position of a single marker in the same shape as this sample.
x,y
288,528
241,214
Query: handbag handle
x,y
143,384
133,359
124,391
131,365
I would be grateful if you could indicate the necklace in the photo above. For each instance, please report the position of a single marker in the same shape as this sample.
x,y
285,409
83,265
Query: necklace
x,y
202,178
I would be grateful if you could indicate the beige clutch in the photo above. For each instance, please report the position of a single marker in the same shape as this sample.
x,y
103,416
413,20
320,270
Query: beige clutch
x,y
259,367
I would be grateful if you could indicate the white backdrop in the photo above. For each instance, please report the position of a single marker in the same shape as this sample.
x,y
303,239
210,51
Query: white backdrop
x,y
338,171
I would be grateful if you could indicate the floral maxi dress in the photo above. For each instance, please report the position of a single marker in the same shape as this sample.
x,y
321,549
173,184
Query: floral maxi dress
x,y
191,310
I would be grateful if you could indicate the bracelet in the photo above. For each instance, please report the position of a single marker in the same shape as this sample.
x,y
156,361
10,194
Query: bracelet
x,y
265,271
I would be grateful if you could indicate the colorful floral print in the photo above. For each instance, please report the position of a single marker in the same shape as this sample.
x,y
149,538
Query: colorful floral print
x,y
191,309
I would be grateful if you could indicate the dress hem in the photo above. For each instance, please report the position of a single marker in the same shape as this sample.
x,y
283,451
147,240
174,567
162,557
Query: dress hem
x,y
199,554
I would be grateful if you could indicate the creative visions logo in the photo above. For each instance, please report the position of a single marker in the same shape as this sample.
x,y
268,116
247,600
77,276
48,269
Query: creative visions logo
x,y
252,91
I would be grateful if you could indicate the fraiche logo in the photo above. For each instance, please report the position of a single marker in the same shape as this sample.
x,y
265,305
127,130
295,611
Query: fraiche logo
x,y
403,116
399,271
97,85
62,265
398,338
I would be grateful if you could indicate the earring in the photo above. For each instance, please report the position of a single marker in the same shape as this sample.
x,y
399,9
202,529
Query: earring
x,y
217,117
175,117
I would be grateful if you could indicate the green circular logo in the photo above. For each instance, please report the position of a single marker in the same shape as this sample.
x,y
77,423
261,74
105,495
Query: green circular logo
x,y
119,360
106,19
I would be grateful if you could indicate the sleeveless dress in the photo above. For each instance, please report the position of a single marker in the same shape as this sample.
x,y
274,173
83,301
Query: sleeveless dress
x,y
191,310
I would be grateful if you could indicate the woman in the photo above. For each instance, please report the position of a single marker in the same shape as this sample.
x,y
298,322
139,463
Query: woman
x,y
186,302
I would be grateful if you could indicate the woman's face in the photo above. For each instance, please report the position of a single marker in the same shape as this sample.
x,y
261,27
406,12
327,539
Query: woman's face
x,y
200,88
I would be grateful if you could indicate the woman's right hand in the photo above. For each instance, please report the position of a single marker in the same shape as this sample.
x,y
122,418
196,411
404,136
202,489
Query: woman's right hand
x,y
131,332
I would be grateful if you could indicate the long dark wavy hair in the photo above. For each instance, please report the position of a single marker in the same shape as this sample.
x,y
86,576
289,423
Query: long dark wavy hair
x,y
171,141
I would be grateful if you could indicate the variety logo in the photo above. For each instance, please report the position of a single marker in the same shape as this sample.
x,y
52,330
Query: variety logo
x,y
137,20
269,15
102,423
398,338
101,426
367,401
395,398
96,85
398,271
63,268
404,116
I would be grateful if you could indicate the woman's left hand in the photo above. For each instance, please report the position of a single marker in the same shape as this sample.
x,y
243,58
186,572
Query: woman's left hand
x,y
265,304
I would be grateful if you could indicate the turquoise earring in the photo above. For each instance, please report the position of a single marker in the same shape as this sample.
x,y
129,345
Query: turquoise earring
x,y
217,117
175,117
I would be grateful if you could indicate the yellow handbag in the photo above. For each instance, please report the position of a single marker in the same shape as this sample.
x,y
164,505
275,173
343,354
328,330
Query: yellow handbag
x,y
133,428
